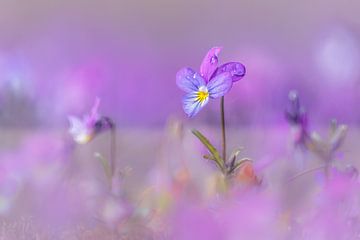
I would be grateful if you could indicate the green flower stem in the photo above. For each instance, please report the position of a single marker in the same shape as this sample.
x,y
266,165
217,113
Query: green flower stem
x,y
222,112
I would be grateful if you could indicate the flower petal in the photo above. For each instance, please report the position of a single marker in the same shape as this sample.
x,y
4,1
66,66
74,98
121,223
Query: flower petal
x,y
294,112
94,115
236,69
220,85
76,125
95,108
80,133
188,80
209,63
192,105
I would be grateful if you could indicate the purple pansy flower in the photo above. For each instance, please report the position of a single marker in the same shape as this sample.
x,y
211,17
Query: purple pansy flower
x,y
84,130
212,81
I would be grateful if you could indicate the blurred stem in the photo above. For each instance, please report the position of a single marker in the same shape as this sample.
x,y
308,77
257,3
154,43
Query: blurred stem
x,y
109,124
306,172
222,112
112,149
328,161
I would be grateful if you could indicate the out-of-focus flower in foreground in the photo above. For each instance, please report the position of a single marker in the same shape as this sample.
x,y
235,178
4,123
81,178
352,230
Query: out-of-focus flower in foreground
x,y
84,130
212,81
246,174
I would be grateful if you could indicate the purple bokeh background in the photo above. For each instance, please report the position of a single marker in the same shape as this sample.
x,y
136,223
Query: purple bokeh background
x,y
57,56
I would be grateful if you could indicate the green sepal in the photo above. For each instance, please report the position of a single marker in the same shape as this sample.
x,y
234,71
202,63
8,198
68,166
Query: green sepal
x,y
233,157
238,164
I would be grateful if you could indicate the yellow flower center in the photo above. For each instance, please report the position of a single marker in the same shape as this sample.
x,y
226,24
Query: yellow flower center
x,y
202,94
83,138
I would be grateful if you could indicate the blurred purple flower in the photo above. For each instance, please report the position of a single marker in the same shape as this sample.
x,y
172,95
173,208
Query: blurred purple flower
x,y
334,214
295,113
84,130
212,82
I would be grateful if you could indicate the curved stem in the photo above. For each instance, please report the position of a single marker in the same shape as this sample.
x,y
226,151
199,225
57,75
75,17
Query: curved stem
x,y
306,172
222,112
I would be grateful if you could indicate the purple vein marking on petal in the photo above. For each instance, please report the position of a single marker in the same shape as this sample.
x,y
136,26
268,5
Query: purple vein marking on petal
x,y
210,62
188,80
220,85
192,105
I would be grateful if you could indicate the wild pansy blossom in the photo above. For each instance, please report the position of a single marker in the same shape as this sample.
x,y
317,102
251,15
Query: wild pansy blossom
x,y
84,130
212,81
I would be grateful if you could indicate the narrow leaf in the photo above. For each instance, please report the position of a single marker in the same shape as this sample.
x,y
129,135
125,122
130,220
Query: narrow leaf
x,y
215,154
105,165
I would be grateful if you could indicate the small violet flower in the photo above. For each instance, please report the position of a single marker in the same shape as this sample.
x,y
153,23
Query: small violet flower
x,y
84,130
295,113
212,81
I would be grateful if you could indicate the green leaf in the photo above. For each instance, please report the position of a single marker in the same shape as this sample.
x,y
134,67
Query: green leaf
x,y
214,152
105,164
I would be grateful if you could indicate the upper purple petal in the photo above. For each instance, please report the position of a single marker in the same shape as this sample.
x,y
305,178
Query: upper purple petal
x,y
220,85
188,80
210,62
192,105
236,69
94,116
